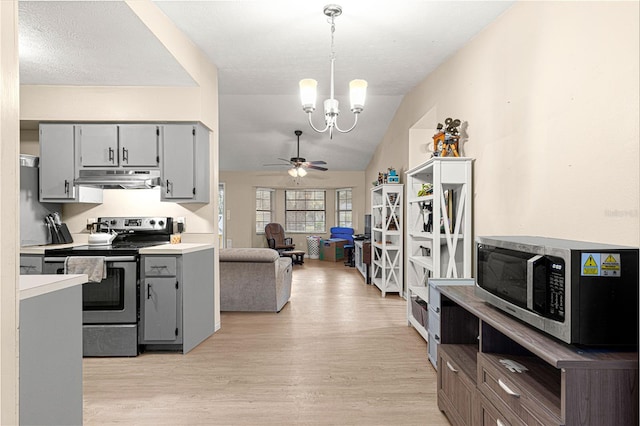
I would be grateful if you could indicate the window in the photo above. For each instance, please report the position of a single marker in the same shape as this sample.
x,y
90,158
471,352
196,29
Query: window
x,y
264,208
344,207
305,211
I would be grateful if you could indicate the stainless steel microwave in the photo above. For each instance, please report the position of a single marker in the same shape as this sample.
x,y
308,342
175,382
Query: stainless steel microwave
x,y
579,292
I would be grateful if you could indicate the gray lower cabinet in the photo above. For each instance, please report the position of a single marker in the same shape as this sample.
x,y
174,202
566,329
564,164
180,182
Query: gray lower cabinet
x,y
51,358
160,297
31,264
176,300
185,163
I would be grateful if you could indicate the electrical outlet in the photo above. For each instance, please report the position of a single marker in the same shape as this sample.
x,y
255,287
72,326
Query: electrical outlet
x,y
180,220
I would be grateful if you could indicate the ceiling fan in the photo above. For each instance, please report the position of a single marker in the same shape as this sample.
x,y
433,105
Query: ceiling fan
x,y
298,163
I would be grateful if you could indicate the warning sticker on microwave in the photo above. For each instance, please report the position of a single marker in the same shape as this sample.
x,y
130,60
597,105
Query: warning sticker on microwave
x,y
600,265
590,264
610,266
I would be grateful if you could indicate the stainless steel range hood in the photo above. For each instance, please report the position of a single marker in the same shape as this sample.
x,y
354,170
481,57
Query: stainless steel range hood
x,y
119,179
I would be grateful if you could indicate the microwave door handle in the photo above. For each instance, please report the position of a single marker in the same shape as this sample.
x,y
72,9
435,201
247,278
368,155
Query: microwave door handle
x,y
530,266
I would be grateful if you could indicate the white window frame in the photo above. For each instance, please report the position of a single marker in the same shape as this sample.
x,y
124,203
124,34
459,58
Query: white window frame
x,y
288,212
271,191
339,210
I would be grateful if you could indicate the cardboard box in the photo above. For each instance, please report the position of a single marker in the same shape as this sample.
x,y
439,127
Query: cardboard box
x,y
332,250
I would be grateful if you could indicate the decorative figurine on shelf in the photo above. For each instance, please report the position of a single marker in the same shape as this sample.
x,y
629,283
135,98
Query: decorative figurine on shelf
x,y
393,176
447,139
380,178
427,216
427,189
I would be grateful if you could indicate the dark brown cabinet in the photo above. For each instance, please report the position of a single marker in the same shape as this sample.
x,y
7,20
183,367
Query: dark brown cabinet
x,y
495,370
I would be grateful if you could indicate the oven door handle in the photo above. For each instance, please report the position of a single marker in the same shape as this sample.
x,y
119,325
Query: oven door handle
x,y
106,259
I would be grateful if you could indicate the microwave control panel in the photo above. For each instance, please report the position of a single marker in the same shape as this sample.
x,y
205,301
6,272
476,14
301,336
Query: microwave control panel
x,y
555,289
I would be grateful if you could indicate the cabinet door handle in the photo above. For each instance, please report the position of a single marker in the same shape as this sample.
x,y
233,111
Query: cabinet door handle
x,y
125,154
148,291
66,186
168,183
111,154
437,338
506,388
437,309
450,367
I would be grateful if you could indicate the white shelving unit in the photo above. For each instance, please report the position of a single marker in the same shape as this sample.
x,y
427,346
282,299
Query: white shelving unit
x,y
440,247
387,238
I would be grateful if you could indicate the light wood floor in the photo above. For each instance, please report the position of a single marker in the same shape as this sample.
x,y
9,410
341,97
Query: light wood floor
x,y
337,354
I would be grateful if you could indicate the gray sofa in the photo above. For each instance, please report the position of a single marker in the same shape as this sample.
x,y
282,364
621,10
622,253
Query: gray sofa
x,y
254,280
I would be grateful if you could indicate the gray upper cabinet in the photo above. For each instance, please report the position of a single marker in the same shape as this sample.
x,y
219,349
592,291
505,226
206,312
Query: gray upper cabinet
x,y
112,145
98,145
58,167
185,163
138,145
56,162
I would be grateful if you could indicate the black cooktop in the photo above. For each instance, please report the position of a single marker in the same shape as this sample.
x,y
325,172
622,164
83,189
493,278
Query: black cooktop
x,y
123,248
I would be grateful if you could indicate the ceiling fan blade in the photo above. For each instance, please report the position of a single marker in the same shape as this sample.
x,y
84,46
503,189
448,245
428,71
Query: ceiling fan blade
x,y
317,162
277,164
285,160
324,169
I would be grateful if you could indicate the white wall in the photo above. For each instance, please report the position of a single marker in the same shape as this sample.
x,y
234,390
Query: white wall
x,y
550,92
240,199
9,223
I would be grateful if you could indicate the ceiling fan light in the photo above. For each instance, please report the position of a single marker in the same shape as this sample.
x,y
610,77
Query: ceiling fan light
x,y
357,94
308,94
293,172
301,172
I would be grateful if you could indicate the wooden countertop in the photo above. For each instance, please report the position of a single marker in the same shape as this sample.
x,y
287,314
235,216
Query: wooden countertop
x,y
553,351
36,285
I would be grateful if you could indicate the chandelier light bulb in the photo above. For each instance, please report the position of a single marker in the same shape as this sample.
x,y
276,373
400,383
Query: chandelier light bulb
x,y
357,94
308,94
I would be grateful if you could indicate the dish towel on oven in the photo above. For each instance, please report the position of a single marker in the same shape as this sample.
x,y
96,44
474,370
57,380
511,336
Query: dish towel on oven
x,y
93,266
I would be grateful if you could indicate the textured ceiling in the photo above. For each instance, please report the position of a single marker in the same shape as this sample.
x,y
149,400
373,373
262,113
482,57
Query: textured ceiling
x,y
262,49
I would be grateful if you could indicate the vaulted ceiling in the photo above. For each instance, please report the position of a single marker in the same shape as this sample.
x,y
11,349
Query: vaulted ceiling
x,y
262,49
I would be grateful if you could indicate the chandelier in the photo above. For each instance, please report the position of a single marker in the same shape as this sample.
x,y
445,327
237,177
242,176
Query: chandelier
x,y
308,89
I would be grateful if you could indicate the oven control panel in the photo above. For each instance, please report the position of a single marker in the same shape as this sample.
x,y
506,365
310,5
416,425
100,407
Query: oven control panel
x,y
136,224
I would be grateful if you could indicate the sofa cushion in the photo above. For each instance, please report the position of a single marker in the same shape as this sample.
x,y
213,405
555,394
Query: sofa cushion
x,y
259,255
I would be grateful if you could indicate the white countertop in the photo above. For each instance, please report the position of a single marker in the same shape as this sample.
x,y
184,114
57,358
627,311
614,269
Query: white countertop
x,y
181,248
36,285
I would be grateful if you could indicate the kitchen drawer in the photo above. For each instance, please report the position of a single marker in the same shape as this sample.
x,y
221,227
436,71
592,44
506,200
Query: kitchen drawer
x,y
30,265
532,395
456,382
159,266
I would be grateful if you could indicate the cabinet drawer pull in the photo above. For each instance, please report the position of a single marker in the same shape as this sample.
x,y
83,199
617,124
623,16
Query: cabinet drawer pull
x,y
499,422
111,156
507,389
437,338
437,309
450,367
125,154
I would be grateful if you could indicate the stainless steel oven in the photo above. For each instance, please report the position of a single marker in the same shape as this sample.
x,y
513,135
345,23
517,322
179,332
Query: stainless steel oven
x,y
110,308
